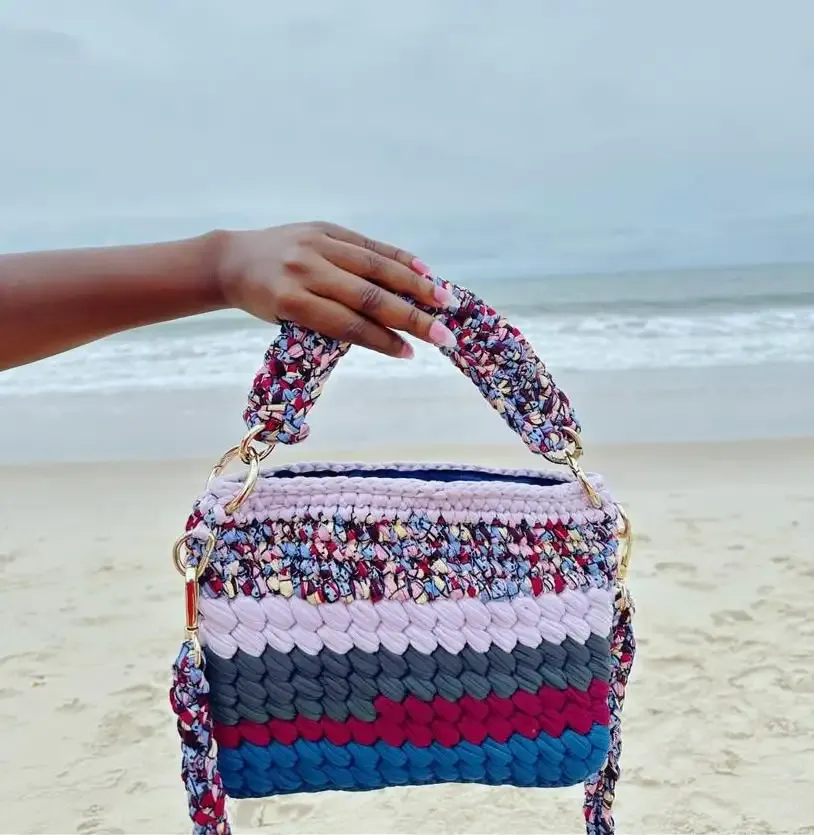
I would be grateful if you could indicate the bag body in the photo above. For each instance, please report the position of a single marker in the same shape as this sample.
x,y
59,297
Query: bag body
x,y
357,626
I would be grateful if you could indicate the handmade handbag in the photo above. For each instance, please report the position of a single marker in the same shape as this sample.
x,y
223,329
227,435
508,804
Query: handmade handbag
x,y
354,627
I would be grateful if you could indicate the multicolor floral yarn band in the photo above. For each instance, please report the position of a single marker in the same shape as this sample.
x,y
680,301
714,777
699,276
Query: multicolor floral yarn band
x,y
600,789
189,698
321,552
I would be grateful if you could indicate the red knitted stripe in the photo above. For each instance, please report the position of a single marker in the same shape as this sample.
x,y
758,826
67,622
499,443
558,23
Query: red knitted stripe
x,y
548,711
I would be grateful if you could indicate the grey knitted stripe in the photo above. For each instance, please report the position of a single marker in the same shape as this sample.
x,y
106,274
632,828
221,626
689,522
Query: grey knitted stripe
x,y
281,685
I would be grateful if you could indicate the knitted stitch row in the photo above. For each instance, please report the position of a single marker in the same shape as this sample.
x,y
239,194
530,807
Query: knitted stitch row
x,y
283,623
260,771
561,665
323,560
338,685
283,497
446,721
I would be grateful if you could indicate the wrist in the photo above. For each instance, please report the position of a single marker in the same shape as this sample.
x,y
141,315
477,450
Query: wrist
x,y
215,245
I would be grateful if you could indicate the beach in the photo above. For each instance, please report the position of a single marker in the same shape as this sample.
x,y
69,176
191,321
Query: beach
x,y
629,184
718,729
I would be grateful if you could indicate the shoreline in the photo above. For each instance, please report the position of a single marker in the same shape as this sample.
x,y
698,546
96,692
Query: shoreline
x,y
629,407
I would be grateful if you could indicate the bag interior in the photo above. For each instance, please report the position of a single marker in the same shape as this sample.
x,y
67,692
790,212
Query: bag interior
x,y
424,474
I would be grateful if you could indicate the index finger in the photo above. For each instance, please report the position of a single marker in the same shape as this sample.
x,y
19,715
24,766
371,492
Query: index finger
x,y
402,256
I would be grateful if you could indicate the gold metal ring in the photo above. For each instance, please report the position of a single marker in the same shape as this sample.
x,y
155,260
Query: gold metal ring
x,y
249,483
566,456
625,541
246,452
222,464
179,561
244,445
571,456
197,651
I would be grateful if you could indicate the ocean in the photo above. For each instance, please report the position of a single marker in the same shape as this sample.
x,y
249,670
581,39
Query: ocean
x,y
753,316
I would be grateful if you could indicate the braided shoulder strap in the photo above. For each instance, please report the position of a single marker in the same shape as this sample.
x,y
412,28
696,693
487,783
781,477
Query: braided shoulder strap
x,y
490,351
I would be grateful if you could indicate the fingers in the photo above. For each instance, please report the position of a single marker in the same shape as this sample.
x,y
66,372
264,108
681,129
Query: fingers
x,y
441,297
334,319
402,256
358,290
378,305
386,272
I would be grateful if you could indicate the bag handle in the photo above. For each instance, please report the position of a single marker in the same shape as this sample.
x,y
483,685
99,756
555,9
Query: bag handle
x,y
490,351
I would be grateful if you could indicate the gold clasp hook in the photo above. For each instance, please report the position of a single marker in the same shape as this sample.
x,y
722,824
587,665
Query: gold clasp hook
x,y
249,455
252,456
571,458
192,575
594,497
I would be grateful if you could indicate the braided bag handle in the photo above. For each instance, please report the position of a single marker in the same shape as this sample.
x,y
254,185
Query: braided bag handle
x,y
490,351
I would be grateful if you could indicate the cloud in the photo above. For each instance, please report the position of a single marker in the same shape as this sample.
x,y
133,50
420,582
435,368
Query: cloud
x,y
569,120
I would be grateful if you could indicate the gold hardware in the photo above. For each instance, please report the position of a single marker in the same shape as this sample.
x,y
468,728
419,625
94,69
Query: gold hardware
x,y
250,436
565,456
191,593
249,484
248,455
197,652
626,542
222,464
579,473
570,456
252,456
251,478
179,561
192,574
624,601
191,581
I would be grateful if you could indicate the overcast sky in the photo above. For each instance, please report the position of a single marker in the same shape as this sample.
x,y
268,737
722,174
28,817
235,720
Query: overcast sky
x,y
561,134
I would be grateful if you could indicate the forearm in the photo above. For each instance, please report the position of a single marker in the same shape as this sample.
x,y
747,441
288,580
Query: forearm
x,y
53,301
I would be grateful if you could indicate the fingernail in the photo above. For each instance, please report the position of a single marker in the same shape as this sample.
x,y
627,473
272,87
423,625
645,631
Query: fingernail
x,y
445,298
406,352
442,336
420,267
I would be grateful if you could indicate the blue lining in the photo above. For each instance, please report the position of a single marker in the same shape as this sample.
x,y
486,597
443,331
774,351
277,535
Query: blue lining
x,y
424,474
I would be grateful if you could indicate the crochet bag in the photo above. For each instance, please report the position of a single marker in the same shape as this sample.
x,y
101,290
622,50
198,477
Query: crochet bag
x,y
354,627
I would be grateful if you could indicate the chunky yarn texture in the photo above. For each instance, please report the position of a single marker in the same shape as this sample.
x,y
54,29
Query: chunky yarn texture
x,y
366,626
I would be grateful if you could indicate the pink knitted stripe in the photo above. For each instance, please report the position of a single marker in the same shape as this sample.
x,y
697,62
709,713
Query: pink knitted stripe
x,y
283,623
382,498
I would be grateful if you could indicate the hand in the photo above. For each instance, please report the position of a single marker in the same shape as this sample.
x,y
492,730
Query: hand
x,y
333,281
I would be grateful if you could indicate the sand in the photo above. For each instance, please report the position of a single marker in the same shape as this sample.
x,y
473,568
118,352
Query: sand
x,y
719,729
